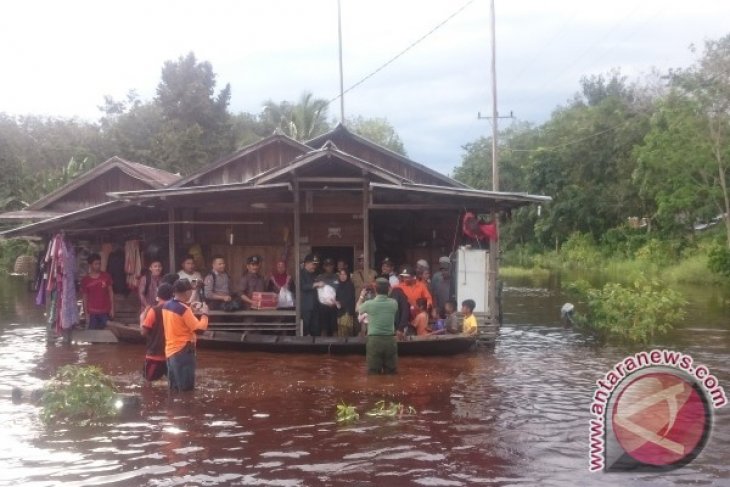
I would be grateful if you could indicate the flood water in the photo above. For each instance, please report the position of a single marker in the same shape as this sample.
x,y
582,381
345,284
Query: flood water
x,y
517,415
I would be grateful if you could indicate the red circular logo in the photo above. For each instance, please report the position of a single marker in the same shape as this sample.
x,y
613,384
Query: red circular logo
x,y
660,419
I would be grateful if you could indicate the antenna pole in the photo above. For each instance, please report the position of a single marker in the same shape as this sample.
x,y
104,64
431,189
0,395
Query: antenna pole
x,y
342,84
495,114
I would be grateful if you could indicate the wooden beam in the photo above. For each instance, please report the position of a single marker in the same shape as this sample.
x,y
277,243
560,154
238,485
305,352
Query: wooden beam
x,y
171,239
415,206
297,264
331,180
365,226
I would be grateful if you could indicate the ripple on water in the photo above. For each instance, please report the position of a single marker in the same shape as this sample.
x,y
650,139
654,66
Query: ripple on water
x,y
514,416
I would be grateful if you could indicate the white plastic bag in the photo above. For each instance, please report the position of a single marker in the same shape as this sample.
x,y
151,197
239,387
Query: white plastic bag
x,y
327,295
286,299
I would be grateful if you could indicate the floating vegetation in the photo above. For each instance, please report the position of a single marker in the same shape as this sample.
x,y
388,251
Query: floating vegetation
x,y
390,410
346,413
79,395
382,409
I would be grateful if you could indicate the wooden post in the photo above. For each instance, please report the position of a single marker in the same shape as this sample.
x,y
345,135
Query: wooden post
x,y
494,272
171,238
366,226
297,263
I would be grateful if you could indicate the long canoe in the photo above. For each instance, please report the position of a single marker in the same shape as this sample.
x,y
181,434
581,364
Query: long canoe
x,y
242,341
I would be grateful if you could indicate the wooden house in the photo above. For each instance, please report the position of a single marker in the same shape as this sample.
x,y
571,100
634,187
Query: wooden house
x,y
338,195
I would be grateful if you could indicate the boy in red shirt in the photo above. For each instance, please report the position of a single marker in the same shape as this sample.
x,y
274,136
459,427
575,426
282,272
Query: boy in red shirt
x,y
98,295
152,328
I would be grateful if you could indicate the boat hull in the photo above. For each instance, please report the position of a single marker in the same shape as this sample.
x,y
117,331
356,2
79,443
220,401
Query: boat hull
x,y
226,340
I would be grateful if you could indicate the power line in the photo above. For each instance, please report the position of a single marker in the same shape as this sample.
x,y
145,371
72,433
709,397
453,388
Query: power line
x,y
401,53
573,142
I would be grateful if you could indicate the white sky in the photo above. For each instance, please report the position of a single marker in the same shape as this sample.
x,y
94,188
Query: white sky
x,y
61,58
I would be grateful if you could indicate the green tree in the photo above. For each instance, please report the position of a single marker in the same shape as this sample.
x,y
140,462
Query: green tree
x,y
302,120
131,128
196,126
377,130
683,161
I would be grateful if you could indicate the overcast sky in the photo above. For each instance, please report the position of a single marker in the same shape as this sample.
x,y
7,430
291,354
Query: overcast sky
x,y
61,58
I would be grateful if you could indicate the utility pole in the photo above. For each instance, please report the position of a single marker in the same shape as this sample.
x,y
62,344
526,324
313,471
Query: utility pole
x,y
495,114
494,303
339,42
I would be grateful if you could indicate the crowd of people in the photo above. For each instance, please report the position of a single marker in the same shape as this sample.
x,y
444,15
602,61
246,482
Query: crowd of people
x,y
425,303
334,301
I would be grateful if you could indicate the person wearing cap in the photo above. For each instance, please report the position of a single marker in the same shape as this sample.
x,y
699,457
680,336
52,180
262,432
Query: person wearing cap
x,y
387,271
308,287
153,329
441,284
328,312
180,326
381,348
362,278
252,281
421,265
414,289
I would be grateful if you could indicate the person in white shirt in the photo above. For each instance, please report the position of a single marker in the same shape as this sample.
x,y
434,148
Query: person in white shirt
x,y
188,272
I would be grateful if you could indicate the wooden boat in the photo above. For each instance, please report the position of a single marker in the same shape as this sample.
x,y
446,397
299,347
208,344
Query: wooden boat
x,y
443,345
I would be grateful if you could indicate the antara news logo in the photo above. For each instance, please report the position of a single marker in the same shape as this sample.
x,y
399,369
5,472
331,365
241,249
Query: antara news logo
x,y
652,412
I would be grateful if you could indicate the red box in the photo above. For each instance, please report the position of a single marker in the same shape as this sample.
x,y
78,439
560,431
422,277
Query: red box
x,y
264,300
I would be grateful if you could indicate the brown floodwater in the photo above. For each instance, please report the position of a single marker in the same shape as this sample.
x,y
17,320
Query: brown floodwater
x,y
516,415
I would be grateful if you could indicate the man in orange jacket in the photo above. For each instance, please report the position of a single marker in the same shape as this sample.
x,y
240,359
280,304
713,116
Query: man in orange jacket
x,y
180,325
413,290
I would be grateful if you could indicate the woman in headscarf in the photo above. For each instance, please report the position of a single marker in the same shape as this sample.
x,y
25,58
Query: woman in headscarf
x,y
345,299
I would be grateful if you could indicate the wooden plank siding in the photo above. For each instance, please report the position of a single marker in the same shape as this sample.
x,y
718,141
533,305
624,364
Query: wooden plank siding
x,y
250,165
95,191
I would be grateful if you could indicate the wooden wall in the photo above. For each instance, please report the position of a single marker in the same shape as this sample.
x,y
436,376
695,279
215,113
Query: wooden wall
x,y
94,192
384,160
251,164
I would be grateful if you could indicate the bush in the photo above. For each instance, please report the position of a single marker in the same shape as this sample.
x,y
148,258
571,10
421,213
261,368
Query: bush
x,y
633,314
78,395
719,260
656,252
623,241
579,251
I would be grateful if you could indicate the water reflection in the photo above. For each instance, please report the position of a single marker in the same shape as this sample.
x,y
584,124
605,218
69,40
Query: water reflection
x,y
515,416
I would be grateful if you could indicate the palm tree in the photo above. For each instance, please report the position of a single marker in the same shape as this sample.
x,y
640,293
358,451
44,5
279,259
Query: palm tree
x,y
301,121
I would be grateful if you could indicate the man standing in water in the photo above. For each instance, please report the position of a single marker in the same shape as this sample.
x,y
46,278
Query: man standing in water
x,y
180,326
381,348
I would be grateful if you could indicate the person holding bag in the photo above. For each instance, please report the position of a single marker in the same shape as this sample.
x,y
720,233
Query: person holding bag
x,y
280,282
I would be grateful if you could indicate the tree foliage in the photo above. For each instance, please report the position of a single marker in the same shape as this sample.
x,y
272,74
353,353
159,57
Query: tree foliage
x,y
302,120
632,314
377,130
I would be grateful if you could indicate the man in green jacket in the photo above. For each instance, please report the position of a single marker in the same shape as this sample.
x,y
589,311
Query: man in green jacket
x,y
382,347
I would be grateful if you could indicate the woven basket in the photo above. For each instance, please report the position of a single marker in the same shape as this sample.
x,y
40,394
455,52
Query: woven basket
x,y
25,264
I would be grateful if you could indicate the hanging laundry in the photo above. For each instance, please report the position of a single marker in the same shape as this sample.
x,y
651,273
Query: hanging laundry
x,y
132,263
106,249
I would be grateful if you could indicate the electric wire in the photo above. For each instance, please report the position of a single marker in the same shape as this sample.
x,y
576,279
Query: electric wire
x,y
401,53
